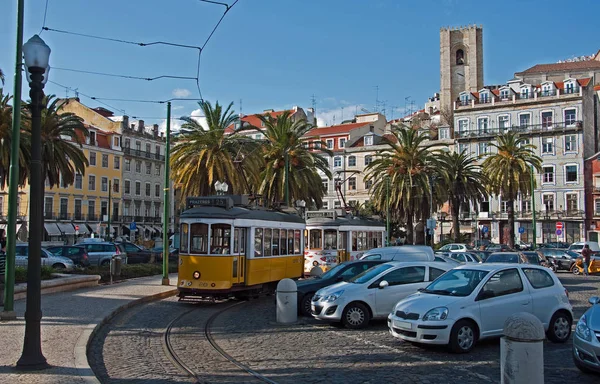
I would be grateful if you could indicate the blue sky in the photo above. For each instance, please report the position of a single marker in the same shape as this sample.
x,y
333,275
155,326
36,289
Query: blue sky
x,y
278,53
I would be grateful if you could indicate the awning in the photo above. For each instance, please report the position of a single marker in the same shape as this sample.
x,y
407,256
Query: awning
x,y
83,229
158,229
141,228
52,229
66,228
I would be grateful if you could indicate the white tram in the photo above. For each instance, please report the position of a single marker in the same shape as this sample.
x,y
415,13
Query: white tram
x,y
332,239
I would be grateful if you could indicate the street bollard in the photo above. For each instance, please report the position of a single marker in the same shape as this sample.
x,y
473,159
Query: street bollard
x,y
316,271
522,350
287,301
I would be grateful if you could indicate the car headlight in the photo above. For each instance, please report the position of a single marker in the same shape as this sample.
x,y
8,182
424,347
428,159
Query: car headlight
x,y
436,314
582,330
333,297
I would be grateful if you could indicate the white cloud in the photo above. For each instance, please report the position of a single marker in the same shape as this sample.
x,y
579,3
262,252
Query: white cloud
x,y
333,116
181,92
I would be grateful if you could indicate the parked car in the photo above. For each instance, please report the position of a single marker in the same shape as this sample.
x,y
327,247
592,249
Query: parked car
x,y
477,244
373,293
135,254
101,252
555,244
76,253
446,259
48,259
523,245
472,302
586,342
402,253
498,248
483,255
158,253
577,247
536,257
465,257
507,257
455,247
341,272
562,258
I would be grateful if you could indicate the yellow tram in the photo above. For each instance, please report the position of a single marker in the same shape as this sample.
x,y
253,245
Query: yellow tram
x,y
229,248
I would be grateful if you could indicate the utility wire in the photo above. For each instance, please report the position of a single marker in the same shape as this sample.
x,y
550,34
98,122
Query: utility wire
x,y
45,13
125,76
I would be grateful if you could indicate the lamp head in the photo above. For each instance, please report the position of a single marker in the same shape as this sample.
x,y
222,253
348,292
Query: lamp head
x,y
36,53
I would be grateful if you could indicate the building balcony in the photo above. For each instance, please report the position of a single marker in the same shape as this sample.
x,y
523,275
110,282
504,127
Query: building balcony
x,y
520,98
143,154
521,129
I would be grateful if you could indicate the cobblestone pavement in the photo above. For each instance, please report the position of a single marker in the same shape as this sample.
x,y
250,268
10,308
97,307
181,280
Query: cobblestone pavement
x,y
314,352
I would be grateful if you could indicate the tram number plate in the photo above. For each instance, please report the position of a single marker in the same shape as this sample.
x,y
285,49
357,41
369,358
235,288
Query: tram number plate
x,y
403,324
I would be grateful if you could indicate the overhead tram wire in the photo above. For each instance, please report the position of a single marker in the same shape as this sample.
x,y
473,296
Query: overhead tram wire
x,y
45,14
125,76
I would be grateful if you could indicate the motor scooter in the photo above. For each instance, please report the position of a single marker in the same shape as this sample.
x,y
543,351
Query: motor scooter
x,y
594,267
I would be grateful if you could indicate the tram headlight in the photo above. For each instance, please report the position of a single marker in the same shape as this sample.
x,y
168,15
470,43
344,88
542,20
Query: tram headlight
x,y
196,275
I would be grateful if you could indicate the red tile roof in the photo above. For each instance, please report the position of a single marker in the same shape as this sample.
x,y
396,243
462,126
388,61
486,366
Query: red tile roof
x,y
335,129
255,121
558,67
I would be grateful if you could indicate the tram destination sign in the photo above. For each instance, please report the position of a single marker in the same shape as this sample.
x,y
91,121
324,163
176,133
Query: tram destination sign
x,y
324,214
223,202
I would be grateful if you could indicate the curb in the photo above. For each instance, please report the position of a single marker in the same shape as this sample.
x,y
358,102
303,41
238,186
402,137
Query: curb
x,y
61,284
80,351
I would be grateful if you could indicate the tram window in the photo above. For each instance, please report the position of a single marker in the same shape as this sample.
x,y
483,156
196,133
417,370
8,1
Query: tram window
x,y
220,242
199,235
236,241
275,242
258,242
297,242
379,236
290,246
268,236
330,239
315,239
369,243
283,242
354,241
242,244
184,238
342,240
362,241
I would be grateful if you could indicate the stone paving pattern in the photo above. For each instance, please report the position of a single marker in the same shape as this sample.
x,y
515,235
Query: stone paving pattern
x,y
66,316
309,351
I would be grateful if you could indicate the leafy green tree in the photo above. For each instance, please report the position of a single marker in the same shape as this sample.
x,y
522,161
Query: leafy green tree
x,y
202,156
459,179
285,137
509,171
401,176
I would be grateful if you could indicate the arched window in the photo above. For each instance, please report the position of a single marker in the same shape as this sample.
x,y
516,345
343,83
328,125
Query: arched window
x,y
460,57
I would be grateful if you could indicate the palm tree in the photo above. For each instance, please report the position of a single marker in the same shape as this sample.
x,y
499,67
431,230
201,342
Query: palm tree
x,y
6,142
63,134
509,172
202,156
459,179
401,178
285,138
1,76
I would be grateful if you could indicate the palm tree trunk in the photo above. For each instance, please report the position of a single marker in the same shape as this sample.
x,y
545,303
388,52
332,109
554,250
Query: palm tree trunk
x,y
409,229
511,223
455,210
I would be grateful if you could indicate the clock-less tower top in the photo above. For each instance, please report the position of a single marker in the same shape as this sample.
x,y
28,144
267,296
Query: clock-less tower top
x,y
461,62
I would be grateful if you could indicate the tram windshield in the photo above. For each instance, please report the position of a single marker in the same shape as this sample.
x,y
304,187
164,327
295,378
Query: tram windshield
x,y
343,240
220,239
316,241
184,238
330,239
199,237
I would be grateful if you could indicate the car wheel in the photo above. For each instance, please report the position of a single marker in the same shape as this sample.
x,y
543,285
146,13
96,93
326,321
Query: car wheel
x,y
59,266
463,336
305,308
355,316
559,329
575,269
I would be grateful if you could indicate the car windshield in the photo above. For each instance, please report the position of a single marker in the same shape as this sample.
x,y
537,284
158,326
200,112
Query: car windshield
x,y
576,247
476,257
457,282
367,275
503,258
573,254
332,272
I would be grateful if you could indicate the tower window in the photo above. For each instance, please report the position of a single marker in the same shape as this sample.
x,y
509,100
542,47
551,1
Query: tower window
x,y
460,57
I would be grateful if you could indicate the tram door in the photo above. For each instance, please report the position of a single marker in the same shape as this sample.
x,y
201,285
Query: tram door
x,y
239,255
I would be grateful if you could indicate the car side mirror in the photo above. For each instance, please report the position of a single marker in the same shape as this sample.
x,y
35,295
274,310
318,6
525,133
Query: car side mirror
x,y
594,300
383,284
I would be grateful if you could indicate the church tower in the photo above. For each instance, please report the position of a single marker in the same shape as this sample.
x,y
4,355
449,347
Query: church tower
x,y
461,62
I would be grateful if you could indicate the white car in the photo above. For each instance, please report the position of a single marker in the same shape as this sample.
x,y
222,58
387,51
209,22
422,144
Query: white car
x,y
472,302
455,247
373,293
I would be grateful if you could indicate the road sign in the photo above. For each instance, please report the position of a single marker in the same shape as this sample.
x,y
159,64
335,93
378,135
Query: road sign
x,y
485,229
133,226
521,229
559,225
558,232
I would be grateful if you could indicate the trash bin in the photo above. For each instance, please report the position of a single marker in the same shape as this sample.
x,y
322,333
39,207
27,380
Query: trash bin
x,y
115,266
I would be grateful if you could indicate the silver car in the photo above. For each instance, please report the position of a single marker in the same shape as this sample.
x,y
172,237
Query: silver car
x,y
586,342
48,259
101,252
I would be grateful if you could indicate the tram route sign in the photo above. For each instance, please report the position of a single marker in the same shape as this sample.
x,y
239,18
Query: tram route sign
x,y
323,214
223,202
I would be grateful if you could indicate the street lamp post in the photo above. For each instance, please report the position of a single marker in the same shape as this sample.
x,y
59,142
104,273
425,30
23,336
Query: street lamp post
x,y
166,195
36,54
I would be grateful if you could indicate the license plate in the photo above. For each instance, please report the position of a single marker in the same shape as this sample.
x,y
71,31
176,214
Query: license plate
x,y
403,324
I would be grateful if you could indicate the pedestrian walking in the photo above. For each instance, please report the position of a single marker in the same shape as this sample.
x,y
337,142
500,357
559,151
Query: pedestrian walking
x,y
586,253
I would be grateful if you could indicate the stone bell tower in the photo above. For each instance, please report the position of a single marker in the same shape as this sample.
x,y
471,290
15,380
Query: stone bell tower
x,y
461,62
